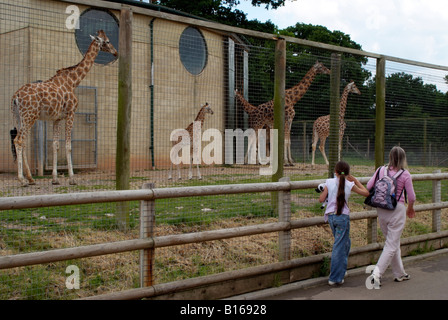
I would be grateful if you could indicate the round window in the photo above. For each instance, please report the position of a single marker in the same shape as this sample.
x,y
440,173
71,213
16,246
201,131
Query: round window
x,y
193,50
92,20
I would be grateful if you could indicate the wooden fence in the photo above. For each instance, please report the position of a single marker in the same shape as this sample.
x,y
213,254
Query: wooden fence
x,y
148,243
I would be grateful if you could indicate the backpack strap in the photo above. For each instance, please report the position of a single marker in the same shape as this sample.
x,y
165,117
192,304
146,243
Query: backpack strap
x,y
378,175
398,174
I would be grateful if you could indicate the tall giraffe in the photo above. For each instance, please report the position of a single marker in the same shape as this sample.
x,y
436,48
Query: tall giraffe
x,y
262,116
53,100
321,127
200,117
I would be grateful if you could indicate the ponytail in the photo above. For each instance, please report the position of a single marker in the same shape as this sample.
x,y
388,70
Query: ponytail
x,y
342,169
340,199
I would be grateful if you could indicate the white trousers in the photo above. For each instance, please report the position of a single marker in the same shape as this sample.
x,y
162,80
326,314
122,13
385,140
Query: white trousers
x,y
392,224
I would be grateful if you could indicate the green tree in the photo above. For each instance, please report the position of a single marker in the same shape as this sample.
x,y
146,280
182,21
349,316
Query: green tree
x,y
414,110
225,12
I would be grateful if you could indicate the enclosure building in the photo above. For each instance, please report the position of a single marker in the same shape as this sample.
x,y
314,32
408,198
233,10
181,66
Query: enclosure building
x,y
176,69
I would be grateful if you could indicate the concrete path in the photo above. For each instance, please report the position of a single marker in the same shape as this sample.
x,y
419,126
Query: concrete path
x,y
429,281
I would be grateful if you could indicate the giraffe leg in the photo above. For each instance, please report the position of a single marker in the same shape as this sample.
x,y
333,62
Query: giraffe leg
x,y
171,165
251,154
285,153
288,155
28,175
171,170
68,150
322,150
56,133
339,150
314,145
18,142
190,171
179,176
288,158
199,172
291,160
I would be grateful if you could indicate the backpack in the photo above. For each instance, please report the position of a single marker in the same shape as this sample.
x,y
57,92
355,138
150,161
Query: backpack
x,y
382,195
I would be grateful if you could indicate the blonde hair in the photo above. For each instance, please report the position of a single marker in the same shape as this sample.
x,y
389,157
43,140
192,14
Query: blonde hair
x,y
397,158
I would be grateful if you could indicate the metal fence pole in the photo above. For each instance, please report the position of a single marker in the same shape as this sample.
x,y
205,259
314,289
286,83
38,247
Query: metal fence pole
x,y
380,122
335,80
147,222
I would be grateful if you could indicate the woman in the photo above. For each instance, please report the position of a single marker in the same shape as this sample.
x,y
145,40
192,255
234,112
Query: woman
x,y
337,214
392,222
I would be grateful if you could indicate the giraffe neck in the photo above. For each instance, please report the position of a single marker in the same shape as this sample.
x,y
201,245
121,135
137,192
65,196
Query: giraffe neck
x,y
246,105
201,116
75,74
82,68
343,104
296,93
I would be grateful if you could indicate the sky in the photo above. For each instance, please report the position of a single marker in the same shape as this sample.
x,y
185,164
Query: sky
x,y
409,29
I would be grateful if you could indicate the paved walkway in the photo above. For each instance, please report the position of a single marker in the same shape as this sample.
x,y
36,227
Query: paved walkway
x,y
429,281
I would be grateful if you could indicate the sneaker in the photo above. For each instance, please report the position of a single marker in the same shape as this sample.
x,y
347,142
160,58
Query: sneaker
x,y
332,283
376,280
402,278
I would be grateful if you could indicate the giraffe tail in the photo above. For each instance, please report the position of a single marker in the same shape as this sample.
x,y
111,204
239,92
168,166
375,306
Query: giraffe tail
x,y
13,134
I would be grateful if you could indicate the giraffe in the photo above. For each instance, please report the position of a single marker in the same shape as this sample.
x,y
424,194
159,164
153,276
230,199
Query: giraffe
x,y
262,116
200,117
321,127
249,109
53,100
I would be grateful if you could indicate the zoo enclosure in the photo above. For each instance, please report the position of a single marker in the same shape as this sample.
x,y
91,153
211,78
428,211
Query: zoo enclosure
x,y
166,95
148,243
35,43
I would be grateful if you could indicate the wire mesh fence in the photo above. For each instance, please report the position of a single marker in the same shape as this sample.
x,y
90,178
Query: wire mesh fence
x,y
177,69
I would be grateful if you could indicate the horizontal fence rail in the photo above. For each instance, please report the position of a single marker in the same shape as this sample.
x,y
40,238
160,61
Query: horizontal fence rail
x,y
9,203
151,243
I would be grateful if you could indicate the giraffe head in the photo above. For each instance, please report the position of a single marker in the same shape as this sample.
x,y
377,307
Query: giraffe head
x,y
104,43
320,68
353,88
207,109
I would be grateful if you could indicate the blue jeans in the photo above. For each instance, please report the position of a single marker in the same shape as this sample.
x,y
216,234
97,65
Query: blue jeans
x,y
340,226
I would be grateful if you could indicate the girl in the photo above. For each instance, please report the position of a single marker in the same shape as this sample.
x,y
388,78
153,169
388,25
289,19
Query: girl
x,y
337,213
392,221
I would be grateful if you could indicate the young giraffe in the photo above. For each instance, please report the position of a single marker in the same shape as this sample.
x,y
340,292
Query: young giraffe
x,y
321,127
53,100
199,118
263,116
252,142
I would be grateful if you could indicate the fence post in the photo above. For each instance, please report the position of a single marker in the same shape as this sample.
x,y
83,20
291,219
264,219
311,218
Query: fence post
x,y
123,153
147,222
380,109
436,197
279,106
335,80
372,230
279,116
284,215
